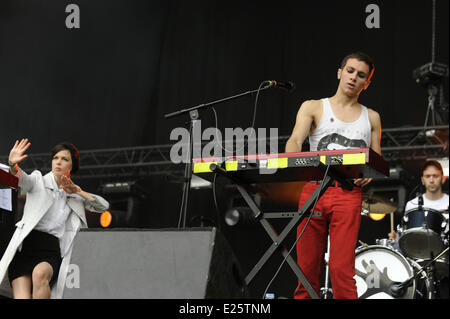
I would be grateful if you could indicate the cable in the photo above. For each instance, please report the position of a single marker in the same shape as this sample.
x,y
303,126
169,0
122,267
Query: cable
x,y
298,238
181,207
186,187
253,119
215,201
433,33
256,102
230,151
217,129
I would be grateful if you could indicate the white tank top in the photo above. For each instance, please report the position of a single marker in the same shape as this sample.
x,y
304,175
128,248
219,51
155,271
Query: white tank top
x,y
333,134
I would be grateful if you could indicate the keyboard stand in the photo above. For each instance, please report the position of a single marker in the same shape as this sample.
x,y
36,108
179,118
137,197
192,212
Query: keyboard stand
x,y
296,218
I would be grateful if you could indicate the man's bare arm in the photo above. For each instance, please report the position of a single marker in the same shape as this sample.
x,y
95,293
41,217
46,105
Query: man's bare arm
x,y
375,138
303,122
375,142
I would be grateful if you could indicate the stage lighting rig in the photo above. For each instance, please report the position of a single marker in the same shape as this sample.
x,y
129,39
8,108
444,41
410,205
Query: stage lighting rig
x,y
124,188
241,216
431,73
431,76
125,198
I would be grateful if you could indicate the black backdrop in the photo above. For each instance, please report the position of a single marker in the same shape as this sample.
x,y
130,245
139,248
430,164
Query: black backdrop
x,y
110,82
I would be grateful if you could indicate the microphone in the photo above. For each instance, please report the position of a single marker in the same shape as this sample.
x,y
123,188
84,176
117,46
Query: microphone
x,y
287,86
398,289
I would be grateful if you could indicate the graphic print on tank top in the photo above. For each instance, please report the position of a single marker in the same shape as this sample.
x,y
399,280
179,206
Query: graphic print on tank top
x,y
337,141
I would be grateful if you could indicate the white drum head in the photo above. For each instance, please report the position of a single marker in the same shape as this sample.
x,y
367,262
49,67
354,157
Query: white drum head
x,y
377,267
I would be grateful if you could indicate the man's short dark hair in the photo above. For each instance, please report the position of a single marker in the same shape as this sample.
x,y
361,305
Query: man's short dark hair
x,y
433,163
361,56
73,152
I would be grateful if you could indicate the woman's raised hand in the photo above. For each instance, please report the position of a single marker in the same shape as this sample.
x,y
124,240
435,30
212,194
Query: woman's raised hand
x,y
17,153
68,185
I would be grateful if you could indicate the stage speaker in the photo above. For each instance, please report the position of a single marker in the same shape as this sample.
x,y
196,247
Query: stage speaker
x,y
193,263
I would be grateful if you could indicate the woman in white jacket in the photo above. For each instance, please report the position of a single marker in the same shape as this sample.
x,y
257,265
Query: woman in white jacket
x,y
54,212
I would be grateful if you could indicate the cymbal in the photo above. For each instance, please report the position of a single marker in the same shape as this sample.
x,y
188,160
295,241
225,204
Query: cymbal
x,y
377,204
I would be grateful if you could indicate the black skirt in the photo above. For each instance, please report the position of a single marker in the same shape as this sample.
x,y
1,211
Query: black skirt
x,y
36,248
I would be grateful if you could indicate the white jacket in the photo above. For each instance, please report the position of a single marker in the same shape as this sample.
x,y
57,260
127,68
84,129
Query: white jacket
x,y
39,190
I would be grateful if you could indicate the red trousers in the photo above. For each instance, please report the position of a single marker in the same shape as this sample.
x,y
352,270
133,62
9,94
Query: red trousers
x,y
340,218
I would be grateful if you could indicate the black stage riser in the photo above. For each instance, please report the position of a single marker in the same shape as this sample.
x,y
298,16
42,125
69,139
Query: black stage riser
x,y
154,264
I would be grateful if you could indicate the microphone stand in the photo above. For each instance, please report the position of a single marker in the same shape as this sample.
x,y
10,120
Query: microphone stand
x,y
398,288
193,121
201,106
420,201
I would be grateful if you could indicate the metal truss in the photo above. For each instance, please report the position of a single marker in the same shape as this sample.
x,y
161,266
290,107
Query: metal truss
x,y
398,144
415,143
127,162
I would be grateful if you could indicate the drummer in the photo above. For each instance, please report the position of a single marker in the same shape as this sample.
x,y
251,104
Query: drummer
x,y
434,198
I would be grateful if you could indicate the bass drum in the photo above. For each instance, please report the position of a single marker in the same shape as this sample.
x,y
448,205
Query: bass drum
x,y
378,267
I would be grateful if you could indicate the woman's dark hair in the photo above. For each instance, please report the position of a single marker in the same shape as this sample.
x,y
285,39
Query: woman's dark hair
x,y
73,152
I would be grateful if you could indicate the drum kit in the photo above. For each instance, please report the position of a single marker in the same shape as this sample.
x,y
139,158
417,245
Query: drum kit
x,y
411,267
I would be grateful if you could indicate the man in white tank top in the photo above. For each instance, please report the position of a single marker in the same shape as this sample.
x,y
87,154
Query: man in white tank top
x,y
338,122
